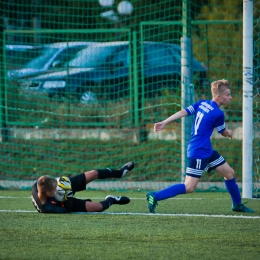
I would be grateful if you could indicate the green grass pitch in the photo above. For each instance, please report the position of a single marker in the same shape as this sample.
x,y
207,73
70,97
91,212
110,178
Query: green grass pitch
x,y
196,226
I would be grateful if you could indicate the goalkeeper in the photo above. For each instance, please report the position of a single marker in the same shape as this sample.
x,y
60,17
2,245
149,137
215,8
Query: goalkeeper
x,y
44,189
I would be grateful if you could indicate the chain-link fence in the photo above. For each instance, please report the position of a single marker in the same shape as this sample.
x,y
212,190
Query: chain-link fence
x,y
84,82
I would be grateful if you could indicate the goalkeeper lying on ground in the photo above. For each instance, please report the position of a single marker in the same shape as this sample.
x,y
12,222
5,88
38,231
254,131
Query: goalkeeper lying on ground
x,y
44,192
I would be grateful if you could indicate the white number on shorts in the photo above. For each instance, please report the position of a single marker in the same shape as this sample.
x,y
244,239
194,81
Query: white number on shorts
x,y
198,165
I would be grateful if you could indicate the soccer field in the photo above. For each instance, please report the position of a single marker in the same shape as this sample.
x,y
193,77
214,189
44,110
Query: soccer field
x,y
195,226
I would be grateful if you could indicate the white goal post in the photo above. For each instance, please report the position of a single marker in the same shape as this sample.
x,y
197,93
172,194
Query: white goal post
x,y
247,170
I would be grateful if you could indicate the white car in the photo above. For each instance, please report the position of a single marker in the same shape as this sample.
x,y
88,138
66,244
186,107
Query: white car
x,y
49,57
17,55
102,70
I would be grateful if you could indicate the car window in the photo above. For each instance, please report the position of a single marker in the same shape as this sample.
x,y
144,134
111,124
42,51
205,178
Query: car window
x,y
17,57
44,57
68,54
121,58
157,55
93,56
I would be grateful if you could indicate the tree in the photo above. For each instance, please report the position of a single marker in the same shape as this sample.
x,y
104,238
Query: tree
x,y
219,44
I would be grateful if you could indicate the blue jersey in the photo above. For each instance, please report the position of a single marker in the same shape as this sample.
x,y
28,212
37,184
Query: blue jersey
x,y
207,117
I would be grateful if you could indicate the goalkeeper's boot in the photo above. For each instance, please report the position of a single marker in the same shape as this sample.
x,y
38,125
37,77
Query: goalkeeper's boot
x,y
242,208
152,202
127,168
122,200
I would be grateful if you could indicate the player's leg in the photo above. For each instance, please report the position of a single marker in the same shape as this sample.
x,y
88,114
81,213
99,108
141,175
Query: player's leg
x,y
218,163
191,183
230,182
112,173
80,181
226,171
169,192
181,188
93,206
105,204
79,205
193,173
109,173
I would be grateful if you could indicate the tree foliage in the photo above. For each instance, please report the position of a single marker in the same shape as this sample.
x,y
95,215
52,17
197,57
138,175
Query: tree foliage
x,y
219,44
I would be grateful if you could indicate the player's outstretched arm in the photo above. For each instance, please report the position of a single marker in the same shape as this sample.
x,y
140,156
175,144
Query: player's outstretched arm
x,y
160,125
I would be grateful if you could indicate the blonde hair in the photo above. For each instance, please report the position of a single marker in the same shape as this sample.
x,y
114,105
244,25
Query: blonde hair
x,y
219,86
46,183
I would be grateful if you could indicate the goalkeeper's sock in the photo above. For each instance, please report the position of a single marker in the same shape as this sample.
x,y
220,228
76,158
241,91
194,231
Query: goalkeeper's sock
x,y
107,203
112,173
170,192
233,190
109,173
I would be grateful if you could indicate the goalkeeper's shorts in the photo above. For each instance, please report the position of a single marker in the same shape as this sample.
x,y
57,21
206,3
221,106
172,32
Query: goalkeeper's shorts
x,y
78,183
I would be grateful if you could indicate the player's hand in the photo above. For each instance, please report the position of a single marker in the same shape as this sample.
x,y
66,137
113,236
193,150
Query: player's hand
x,y
230,134
158,126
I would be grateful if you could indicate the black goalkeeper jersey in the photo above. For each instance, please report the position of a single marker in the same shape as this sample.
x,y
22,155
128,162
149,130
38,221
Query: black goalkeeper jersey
x,y
50,206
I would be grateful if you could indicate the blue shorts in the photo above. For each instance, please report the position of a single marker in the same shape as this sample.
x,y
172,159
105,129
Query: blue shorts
x,y
197,166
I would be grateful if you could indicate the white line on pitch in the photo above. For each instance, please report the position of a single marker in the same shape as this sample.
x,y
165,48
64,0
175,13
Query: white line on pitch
x,y
144,198
144,214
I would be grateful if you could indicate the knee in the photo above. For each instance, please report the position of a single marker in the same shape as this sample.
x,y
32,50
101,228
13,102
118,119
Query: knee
x,y
189,188
91,175
230,174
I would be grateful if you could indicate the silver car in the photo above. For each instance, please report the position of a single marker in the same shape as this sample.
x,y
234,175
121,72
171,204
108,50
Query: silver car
x,y
49,58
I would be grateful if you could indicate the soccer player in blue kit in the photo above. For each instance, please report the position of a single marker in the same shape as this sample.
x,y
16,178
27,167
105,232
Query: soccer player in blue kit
x,y
201,155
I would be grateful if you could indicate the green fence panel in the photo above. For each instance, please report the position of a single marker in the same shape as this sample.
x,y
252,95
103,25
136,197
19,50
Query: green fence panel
x,y
83,82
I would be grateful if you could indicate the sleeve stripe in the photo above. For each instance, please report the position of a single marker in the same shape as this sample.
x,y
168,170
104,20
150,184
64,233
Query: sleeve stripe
x,y
191,109
219,128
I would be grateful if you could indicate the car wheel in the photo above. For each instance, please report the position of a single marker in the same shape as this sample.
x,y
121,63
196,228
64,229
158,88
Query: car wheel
x,y
88,97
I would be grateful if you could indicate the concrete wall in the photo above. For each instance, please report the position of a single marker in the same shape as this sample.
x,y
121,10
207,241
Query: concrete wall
x,y
172,132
